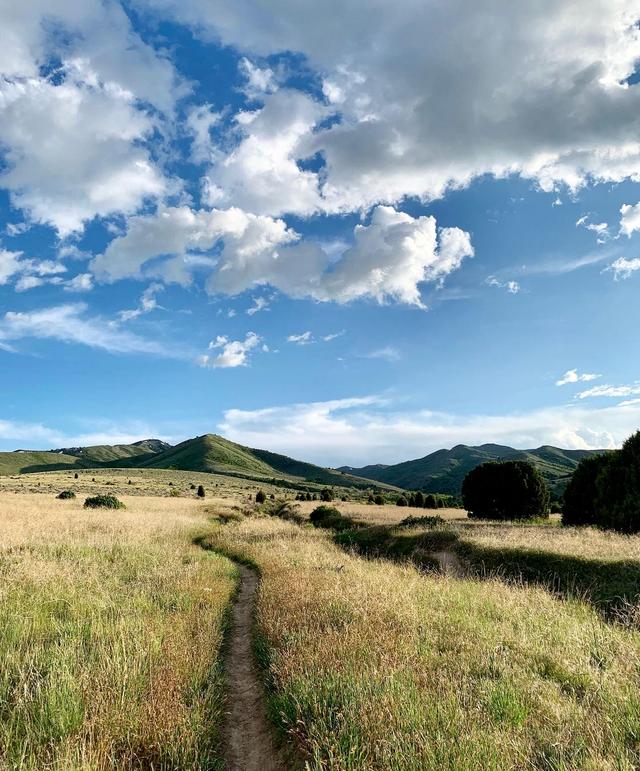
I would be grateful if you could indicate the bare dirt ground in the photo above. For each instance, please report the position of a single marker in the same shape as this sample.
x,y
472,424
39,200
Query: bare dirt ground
x,y
249,737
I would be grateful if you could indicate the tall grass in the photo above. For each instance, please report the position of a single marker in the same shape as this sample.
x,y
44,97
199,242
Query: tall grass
x,y
375,666
110,629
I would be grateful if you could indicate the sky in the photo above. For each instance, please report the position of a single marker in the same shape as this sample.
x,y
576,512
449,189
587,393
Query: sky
x,y
351,232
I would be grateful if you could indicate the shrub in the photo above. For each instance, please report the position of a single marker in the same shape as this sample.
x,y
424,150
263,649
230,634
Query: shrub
x,y
370,498
402,501
580,496
103,502
326,495
502,490
192,486
173,493
419,500
430,502
66,495
379,500
75,476
200,491
427,521
322,512
330,518
260,496
618,489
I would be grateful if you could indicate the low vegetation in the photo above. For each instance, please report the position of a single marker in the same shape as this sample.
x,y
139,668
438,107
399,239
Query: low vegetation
x,y
103,502
369,662
505,490
110,632
66,495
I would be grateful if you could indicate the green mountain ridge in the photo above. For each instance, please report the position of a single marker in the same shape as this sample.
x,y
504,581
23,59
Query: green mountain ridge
x,y
442,471
208,453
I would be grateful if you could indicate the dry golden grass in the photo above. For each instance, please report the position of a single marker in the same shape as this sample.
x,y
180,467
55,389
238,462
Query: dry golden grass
x,y
583,542
110,628
375,666
387,514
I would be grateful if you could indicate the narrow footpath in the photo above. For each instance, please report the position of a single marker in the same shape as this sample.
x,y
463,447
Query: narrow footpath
x,y
248,733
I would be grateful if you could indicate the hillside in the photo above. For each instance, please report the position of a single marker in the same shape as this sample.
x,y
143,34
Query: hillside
x,y
443,471
25,461
214,453
111,453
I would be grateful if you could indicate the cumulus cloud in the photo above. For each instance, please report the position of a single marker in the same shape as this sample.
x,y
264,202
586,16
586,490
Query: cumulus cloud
x,y
389,259
415,119
233,353
629,219
28,273
623,268
573,376
70,323
366,430
73,141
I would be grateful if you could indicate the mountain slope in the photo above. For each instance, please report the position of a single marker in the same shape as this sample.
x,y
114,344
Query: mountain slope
x,y
213,453
25,461
443,471
109,453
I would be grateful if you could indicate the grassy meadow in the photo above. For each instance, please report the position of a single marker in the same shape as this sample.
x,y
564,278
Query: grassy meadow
x,y
376,666
110,631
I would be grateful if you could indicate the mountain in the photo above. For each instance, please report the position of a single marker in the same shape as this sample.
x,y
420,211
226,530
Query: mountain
x,y
443,471
30,461
216,454
108,453
208,453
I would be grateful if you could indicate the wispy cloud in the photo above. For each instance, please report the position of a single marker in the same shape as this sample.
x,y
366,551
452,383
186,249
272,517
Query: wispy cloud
x,y
513,287
623,268
304,338
609,391
70,323
388,353
573,376
366,430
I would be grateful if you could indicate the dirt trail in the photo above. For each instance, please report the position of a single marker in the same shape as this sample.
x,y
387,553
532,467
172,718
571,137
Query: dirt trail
x,y
248,733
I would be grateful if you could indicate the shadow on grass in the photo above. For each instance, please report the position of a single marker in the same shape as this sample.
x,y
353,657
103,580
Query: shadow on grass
x,y
613,587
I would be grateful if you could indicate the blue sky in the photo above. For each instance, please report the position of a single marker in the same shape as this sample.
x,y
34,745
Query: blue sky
x,y
351,236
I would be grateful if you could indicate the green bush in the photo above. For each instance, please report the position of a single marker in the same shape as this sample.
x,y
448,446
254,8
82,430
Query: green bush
x,y
173,493
618,489
426,521
430,502
419,500
66,495
200,491
504,490
402,501
103,502
579,506
261,496
322,512
379,500
326,495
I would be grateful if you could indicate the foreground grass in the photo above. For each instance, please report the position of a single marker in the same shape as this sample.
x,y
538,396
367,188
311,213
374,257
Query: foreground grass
x,y
374,666
110,628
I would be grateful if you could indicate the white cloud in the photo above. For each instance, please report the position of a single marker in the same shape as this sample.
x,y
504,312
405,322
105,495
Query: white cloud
x,y
259,304
28,273
304,338
388,353
148,303
333,336
71,324
73,142
512,287
360,431
414,121
609,391
572,376
390,256
173,233
83,282
601,229
234,353
260,80
623,268
630,219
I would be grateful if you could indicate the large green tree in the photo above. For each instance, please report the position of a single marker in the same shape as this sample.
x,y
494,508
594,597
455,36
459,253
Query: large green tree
x,y
505,490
